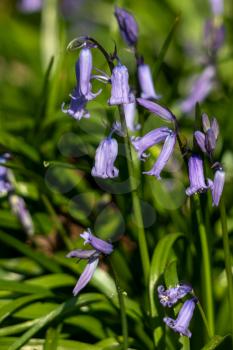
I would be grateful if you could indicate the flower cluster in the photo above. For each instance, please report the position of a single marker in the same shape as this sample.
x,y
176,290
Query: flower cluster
x,y
206,141
169,298
100,247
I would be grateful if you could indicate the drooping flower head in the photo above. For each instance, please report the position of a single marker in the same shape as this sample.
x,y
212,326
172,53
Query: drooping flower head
x,y
181,324
120,93
100,247
83,74
141,144
165,154
214,36
201,88
30,6
128,26
146,82
170,296
105,157
218,184
196,176
77,106
217,6
157,109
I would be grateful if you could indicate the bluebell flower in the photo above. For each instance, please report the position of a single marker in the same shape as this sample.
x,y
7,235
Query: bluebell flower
x,y
201,88
181,324
100,247
30,6
120,93
165,154
146,82
77,106
217,6
207,140
196,176
130,112
141,144
170,296
105,157
214,36
18,207
218,184
83,74
128,26
5,184
157,109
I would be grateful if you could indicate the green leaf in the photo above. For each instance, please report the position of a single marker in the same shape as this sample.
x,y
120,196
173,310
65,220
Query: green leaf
x,y
40,258
53,281
12,306
159,261
22,287
52,337
214,342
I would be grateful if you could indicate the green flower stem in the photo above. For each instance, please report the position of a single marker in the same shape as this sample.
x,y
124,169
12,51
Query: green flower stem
x,y
136,202
185,342
121,300
204,318
227,257
206,266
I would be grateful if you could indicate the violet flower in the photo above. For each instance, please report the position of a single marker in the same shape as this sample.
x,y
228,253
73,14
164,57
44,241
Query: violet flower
x,y
5,184
128,26
200,90
130,112
196,176
170,296
164,156
105,157
18,207
83,74
76,108
30,6
100,247
181,324
146,82
120,93
207,140
157,109
141,144
214,36
217,6
218,184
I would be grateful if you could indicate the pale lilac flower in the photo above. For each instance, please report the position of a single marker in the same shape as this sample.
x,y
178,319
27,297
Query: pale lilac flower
x,y
120,93
130,112
5,184
218,184
181,324
141,144
76,108
217,6
170,296
201,88
128,26
105,157
97,243
164,156
157,109
18,207
100,247
83,74
146,82
196,176
30,6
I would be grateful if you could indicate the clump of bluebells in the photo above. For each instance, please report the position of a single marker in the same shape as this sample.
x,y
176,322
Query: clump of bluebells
x,y
127,98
